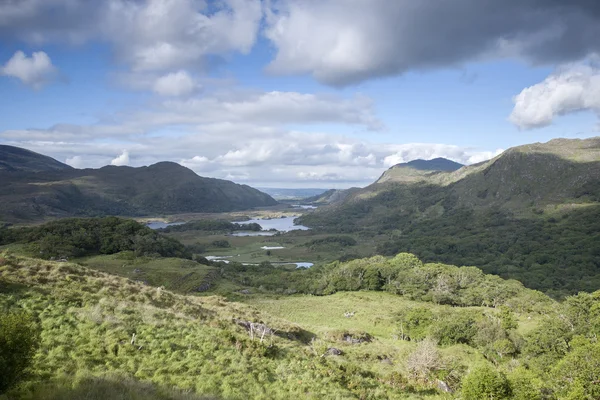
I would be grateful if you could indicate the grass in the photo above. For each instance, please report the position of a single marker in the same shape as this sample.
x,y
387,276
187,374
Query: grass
x,y
190,343
176,274
375,312
249,247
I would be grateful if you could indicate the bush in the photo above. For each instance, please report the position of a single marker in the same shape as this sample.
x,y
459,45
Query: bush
x,y
485,383
18,343
221,244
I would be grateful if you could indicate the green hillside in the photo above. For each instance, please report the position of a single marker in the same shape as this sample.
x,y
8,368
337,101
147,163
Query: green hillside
x,y
357,343
33,190
531,214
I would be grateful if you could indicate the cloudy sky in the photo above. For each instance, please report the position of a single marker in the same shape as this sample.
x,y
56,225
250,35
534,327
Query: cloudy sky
x,y
295,93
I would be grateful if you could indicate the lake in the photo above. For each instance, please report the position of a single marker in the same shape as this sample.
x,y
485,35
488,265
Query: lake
x,y
161,225
285,224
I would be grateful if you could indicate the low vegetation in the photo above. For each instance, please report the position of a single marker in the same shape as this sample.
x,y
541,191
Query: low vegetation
x,y
212,225
120,320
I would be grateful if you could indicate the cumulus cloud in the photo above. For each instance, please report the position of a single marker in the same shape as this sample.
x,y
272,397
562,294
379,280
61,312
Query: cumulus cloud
x,y
250,135
428,151
152,35
279,157
175,84
122,159
572,88
338,41
34,71
75,162
341,42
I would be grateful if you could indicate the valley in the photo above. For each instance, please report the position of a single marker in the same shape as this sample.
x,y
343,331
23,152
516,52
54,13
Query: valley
x,y
438,281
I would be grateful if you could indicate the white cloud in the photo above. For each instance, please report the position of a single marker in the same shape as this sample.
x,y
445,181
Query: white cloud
x,y
155,37
34,71
268,108
572,88
165,35
175,84
342,42
427,151
75,162
279,158
337,41
122,159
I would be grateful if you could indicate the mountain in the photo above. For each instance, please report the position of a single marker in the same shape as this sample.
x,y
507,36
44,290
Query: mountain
x,y
331,196
36,186
418,170
291,194
18,159
531,213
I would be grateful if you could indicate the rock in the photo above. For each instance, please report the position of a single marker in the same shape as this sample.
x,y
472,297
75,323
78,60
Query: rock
x,y
245,291
332,351
365,338
443,386
204,287
255,328
386,360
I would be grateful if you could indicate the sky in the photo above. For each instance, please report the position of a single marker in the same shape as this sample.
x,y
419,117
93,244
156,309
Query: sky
x,y
295,93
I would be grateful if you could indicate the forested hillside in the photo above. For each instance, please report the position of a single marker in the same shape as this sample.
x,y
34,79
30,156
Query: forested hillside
x,y
530,214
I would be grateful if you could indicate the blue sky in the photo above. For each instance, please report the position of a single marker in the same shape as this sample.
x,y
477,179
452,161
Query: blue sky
x,y
293,93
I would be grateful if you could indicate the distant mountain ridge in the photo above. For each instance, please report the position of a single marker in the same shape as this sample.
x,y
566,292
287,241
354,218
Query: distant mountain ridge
x,y
418,170
331,196
435,164
17,159
35,186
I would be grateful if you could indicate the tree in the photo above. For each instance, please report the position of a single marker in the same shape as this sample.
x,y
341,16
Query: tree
x,y
525,385
18,343
484,383
579,371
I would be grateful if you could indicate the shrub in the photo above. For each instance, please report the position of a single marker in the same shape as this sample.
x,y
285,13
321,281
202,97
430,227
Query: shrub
x,y
524,384
457,327
424,360
485,382
18,343
221,243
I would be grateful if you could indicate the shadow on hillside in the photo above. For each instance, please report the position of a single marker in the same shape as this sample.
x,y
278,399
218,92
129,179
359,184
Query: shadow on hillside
x,y
297,334
12,288
104,388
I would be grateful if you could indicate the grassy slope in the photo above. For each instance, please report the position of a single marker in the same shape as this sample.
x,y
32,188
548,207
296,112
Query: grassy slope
x,y
175,274
87,319
375,313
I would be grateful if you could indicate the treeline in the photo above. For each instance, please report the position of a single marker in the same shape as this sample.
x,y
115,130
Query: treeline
x,y
212,225
558,254
407,276
78,237
340,241
403,275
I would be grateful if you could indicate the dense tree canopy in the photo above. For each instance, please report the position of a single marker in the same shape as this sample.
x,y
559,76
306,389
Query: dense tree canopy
x,y
76,237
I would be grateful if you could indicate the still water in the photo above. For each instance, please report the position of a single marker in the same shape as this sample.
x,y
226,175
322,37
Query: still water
x,y
160,224
285,224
